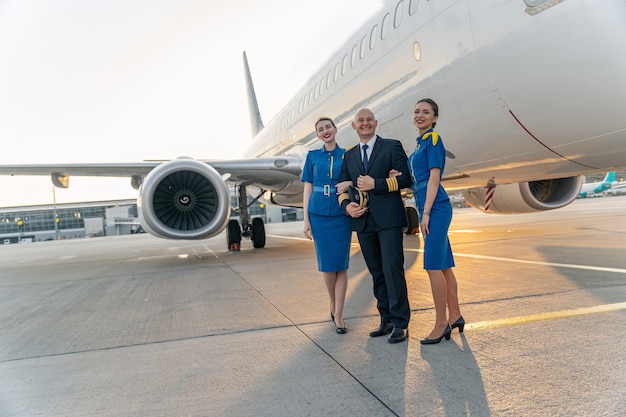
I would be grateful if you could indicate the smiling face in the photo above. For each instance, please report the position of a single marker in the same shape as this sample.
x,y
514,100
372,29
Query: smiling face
x,y
424,116
365,124
326,131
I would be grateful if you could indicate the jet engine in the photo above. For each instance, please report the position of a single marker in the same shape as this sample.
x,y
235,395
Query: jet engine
x,y
526,197
184,199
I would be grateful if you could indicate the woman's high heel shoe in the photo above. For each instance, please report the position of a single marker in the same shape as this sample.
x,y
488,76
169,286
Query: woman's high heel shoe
x,y
460,323
340,330
332,316
446,334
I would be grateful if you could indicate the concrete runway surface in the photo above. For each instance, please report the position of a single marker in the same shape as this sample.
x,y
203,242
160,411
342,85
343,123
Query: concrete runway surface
x,y
138,326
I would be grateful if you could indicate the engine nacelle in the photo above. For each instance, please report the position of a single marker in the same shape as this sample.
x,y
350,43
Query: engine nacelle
x,y
184,199
526,197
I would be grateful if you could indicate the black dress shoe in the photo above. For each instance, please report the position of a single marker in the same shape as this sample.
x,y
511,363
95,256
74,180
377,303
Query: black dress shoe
x,y
460,323
382,330
446,334
342,330
398,335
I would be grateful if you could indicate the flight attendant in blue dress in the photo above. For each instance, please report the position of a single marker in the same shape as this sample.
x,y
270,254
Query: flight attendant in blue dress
x,y
426,165
324,220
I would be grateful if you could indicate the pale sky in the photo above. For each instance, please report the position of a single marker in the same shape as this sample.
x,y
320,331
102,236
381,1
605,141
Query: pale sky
x,y
128,80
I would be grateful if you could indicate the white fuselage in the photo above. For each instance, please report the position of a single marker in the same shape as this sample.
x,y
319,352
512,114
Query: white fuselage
x,y
523,94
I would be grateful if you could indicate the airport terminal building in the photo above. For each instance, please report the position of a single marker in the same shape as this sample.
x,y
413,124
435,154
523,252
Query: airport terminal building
x,y
68,221
94,219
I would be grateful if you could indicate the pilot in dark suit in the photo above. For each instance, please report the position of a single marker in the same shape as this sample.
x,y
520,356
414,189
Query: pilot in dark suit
x,y
379,226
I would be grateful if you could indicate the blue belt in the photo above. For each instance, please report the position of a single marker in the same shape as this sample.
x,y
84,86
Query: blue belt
x,y
326,189
420,185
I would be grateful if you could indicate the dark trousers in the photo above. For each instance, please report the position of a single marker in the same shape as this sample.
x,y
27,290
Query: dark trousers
x,y
384,255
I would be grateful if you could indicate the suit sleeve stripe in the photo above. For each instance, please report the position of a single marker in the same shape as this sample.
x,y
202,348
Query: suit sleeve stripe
x,y
392,184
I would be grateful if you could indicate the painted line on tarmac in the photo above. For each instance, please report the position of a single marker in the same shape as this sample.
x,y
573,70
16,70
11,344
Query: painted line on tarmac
x,y
289,237
353,244
524,261
501,259
603,308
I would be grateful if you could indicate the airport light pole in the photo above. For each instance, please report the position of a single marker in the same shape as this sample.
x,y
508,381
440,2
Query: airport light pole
x,y
56,216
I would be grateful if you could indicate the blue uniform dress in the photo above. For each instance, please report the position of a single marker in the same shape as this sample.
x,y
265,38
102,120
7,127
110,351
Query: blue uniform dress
x,y
430,153
330,226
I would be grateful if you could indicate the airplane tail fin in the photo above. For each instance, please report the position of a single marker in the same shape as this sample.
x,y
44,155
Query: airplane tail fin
x,y
610,177
256,124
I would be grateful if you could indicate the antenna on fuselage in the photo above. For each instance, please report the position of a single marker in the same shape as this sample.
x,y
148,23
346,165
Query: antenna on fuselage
x,y
256,124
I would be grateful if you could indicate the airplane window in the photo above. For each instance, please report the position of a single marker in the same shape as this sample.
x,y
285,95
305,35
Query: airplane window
x,y
344,64
397,20
309,97
315,90
321,86
301,105
413,7
363,46
355,51
384,30
373,36
329,77
336,76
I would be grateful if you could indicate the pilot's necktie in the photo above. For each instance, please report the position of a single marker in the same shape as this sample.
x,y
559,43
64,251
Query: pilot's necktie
x,y
365,157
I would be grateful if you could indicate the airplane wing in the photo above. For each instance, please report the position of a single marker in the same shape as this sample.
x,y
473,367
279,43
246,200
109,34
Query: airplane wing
x,y
270,173
186,198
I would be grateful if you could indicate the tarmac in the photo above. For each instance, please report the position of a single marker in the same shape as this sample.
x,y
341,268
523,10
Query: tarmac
x,y
138,326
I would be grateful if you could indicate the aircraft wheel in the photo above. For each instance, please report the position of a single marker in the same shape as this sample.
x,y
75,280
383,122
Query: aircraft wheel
x,y
258,233
233,235
413,223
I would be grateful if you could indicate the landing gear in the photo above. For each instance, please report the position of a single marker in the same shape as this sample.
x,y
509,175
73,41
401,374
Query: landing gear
x,y
254,230
258,233
413,223
233,235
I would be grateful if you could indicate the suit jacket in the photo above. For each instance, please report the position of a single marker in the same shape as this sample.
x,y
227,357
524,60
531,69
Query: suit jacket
x,y
385,203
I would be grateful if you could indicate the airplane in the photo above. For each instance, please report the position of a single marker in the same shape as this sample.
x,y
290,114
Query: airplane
x,y
590,188
531,96
619,189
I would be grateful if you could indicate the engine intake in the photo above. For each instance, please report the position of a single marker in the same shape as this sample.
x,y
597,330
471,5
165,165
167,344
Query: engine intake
x,y
184,199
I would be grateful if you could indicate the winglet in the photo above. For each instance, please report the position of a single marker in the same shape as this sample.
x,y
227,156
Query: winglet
x,y
256,124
